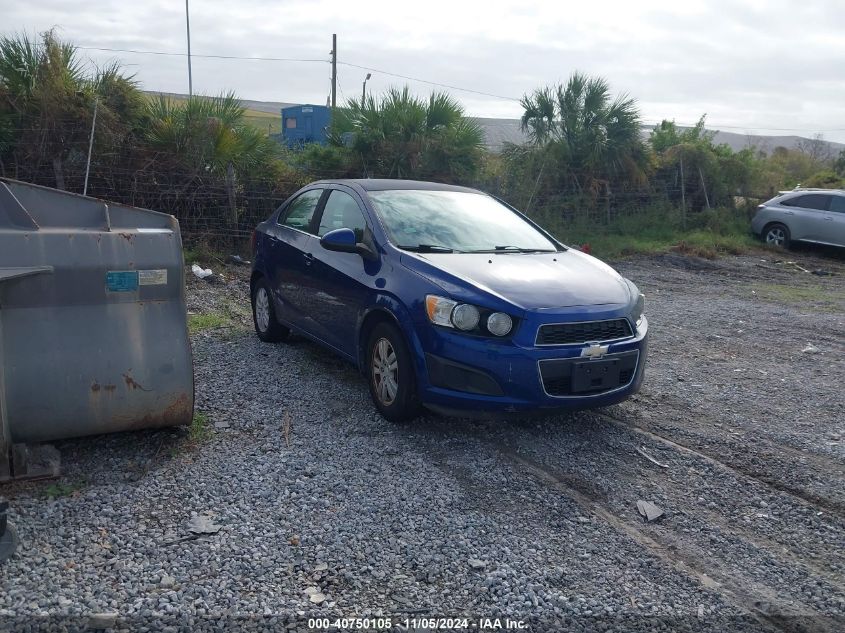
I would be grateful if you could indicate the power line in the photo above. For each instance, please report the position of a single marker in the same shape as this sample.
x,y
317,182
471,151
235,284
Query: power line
x,y
172,54
426,81
293,59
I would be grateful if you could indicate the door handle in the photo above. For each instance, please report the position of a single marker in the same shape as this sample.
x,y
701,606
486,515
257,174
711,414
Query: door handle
x,y
789,212
309,258
829,219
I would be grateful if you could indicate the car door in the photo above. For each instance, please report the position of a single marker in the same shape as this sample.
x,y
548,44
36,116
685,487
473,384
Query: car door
x,y
806,216
339,282
836,224
291,243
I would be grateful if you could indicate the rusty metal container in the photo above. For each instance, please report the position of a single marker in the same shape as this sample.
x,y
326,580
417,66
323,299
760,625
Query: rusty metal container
x,y
93,332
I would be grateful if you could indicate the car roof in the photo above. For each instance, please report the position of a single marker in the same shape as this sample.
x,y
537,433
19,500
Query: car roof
x,y
803,190
390,184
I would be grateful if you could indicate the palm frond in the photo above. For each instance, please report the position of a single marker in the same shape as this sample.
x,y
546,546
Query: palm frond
x,y
20,61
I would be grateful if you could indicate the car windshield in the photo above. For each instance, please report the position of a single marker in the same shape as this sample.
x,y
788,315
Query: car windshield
x,y
455,221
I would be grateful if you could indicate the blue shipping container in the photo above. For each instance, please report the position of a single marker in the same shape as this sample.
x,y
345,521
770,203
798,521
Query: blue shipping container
x,y
305,124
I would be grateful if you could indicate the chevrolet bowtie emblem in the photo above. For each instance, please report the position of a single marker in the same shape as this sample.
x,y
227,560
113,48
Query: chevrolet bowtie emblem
x,y
594,351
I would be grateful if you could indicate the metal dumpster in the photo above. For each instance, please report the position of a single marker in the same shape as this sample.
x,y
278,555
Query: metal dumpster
x,y
93,332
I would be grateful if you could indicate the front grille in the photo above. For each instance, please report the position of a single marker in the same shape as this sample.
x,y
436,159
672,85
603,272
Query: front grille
x,y
557,386
587,332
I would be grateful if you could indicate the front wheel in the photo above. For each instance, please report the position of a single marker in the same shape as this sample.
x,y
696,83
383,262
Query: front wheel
x,y
776,235
267,327
391,375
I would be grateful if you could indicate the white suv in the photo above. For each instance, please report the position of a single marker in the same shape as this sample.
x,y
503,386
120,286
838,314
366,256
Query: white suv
x,y
802,215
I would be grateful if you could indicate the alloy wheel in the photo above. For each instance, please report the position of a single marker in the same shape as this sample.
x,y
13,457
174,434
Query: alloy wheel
x,y
385,371
776,237
262,309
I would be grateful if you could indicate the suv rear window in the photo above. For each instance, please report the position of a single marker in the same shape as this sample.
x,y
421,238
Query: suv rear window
x,y
818,201
837,204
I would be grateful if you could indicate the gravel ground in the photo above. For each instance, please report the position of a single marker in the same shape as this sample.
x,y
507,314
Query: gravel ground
x,y
327,510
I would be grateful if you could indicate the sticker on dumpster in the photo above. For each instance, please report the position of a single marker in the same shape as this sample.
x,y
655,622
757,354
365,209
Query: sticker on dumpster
x,y
121,280
152,277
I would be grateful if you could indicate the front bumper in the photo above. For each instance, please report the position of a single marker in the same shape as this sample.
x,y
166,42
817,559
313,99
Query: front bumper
x,y
463,375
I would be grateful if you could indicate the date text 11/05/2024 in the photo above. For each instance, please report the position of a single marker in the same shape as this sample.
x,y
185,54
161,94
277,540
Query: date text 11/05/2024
x,y
430,623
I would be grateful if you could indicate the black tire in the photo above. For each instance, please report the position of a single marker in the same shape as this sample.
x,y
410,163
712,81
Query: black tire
x,y
776,234
267,327
402,403
8,542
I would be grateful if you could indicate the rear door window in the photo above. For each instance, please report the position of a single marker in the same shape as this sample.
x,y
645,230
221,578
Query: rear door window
x,y
818,201
837,204
300,212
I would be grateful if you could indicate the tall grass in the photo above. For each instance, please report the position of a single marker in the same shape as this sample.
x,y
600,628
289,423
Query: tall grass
x,y
659,228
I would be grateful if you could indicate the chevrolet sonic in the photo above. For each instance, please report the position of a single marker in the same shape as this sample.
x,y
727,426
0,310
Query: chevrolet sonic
x,y
448,298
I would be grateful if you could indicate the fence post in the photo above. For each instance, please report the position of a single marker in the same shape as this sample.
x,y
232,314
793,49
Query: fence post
x,y
703,186
233,207
90,145
536,184
683,195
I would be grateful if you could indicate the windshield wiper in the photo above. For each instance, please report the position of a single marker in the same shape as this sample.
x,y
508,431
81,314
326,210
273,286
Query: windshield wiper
x,y
429,248
513,249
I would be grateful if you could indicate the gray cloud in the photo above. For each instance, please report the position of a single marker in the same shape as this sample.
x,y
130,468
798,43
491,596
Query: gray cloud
x,y
750,65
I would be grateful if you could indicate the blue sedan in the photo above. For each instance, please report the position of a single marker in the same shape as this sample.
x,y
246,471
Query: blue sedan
x,y
447,298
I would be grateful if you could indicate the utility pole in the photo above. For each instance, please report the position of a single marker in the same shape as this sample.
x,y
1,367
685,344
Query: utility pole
x,y
188,25
334,69
90,146
364,89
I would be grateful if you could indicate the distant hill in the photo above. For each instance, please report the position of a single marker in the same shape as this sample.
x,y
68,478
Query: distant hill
x,y
501,131
270,107
497,132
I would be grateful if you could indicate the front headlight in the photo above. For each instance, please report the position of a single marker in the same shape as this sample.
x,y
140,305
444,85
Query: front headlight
x,y
439,310
499,323
467,317
639,310
638,305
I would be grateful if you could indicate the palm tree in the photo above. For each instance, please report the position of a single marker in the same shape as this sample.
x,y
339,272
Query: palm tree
x,y
41,89
203,153
47,105
207,134
399,135
592,137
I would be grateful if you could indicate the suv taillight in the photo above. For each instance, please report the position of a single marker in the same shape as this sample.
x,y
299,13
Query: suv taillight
x,y
253,243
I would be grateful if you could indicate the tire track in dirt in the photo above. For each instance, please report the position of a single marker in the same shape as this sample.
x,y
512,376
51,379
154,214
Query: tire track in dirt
x,y
801,496
764,603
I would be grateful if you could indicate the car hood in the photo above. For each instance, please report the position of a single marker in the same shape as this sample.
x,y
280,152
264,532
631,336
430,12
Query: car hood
x,y
531,281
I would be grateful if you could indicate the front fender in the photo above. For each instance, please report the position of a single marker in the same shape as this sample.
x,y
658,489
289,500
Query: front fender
x,y
393,308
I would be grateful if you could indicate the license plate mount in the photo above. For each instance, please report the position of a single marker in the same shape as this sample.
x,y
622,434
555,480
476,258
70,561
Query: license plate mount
x,y
595,375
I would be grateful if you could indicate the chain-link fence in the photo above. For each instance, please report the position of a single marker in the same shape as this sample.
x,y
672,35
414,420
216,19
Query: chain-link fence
x,y
216,205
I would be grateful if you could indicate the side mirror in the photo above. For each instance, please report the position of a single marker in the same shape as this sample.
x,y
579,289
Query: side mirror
x,y
340,240
344,241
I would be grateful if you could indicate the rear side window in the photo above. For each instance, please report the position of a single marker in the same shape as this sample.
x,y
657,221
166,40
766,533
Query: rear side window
x,y
342,212
300,212
810,201
837,204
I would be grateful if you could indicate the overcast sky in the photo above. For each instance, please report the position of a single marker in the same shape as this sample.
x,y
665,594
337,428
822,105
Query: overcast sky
x,y
751,65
